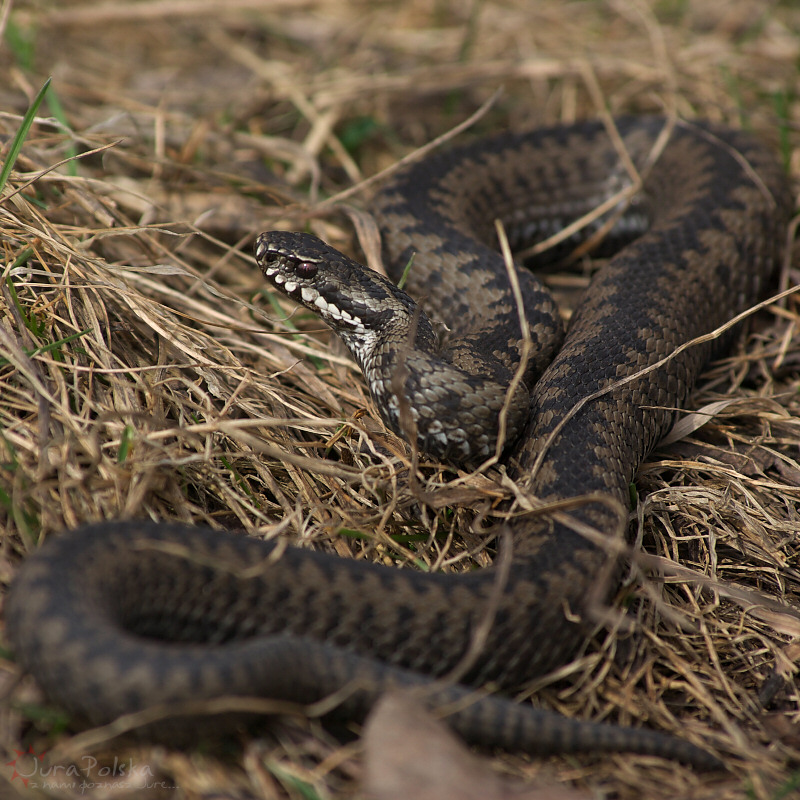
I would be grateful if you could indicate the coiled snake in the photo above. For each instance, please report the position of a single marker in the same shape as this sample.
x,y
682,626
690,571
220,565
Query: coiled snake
x,y
116,616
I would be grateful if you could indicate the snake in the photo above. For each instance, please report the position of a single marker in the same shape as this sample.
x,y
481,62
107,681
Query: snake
x,y
121,615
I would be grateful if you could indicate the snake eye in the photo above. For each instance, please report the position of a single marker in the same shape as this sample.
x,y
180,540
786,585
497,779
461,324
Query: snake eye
x,y
305,269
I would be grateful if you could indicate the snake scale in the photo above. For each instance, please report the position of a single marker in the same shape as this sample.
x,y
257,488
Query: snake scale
x,y
120,615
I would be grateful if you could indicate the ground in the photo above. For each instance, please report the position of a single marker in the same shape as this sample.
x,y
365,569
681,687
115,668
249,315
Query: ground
x,y
146,371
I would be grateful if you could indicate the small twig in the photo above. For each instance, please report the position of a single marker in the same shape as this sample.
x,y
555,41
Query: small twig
x,y
58,164
525,350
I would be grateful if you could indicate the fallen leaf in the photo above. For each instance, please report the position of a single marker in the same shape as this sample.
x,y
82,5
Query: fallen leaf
x,y
410,754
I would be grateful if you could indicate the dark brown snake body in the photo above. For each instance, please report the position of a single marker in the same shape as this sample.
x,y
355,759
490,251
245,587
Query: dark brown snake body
x,y
120,615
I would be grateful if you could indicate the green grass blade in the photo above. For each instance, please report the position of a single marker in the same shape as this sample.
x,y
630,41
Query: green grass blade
x,y
53,346
22,133
406,272
30,322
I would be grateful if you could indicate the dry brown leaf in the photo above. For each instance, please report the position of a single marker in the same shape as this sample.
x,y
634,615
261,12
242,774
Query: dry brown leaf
x,y
409,753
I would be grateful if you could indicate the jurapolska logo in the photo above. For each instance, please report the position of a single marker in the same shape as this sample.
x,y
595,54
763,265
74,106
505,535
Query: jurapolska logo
x,y
83,774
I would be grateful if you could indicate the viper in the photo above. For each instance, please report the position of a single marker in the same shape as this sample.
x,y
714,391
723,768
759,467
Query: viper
x,y
120,615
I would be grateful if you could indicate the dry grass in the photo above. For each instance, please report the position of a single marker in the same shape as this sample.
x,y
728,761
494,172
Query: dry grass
x,y
146,372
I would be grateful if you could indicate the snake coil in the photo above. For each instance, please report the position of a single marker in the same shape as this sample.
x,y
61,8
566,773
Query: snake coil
x,y
115,616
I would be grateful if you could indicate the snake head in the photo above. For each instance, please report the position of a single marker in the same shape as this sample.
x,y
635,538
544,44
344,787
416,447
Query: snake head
x,y
345,294
374,318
